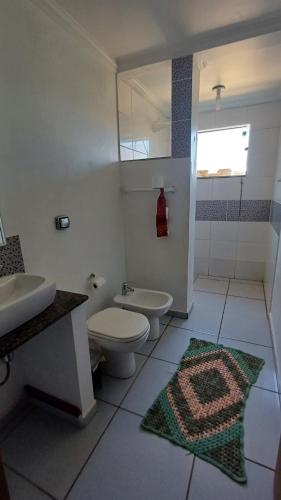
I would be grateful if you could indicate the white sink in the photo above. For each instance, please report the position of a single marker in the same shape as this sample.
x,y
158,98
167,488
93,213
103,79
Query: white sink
x,y
23,296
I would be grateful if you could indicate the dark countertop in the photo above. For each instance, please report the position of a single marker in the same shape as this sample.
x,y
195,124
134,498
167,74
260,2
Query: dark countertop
x,y
63,304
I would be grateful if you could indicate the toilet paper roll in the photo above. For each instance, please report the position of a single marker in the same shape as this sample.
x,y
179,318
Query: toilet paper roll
x,y
99,282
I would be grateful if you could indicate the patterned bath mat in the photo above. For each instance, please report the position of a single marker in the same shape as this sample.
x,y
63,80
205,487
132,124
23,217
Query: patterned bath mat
x,y
202,407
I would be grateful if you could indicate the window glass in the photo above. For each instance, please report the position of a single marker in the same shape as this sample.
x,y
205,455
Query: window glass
x,y
223,152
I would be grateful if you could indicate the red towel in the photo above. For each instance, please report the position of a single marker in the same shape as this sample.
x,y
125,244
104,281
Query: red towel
x,y
161,215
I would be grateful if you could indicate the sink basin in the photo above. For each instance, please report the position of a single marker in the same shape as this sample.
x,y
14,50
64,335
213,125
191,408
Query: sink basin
x,y
23,296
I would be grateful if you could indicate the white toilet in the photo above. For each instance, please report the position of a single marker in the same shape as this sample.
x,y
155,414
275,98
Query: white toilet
x,y
119,333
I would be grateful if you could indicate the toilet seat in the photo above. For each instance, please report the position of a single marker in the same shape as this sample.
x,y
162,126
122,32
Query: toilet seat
x,y
118,325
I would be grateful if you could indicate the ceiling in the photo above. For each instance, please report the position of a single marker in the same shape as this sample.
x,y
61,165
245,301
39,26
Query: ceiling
x,y
135,32
250,70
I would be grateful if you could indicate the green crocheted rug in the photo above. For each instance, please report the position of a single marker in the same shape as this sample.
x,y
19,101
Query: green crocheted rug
x,y
202,407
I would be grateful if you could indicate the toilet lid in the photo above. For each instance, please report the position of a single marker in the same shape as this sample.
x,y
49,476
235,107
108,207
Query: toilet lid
x,y
118,324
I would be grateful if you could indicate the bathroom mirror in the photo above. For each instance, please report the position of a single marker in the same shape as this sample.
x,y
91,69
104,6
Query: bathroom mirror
x,y
144,102
2,234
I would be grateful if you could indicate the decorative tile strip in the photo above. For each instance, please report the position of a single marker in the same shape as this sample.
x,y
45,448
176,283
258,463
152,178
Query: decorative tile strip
x,y
233,210
213,210
181,139
181,99
181,106
11,260
255,210
182,68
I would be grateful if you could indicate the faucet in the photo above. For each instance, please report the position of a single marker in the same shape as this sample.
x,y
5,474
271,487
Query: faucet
x,y
126,288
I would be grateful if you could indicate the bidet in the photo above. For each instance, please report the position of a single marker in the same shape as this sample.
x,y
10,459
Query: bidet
x,y
153,304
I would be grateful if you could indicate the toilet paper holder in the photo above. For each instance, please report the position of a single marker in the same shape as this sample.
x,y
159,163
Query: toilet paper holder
x,y
96,281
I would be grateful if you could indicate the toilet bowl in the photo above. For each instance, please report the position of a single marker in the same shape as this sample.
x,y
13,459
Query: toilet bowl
x,y
119,333
151,303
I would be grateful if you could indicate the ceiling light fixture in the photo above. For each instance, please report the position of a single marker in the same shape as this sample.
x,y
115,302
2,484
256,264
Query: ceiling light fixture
x,y
218,89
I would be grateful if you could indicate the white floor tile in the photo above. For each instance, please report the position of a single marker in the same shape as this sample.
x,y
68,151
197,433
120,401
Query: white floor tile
x,y
243,289
245,319
114,389
153,378
174,343
211,285
130,463
267,377
20,489
206,314
262,427
209,483
50,451
149,345
14,421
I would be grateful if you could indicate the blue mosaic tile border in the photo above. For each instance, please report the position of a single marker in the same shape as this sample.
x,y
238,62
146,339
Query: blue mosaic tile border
x,y
182,68
181,106
181,139
11,259
275,216
181,100
233,210
211,210
255,210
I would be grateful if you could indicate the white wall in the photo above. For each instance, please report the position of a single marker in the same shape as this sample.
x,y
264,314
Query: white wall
x,y
273,273
239,248
58,155
157,263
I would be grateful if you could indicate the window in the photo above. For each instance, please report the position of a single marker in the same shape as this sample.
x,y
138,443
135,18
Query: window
x,y
223,152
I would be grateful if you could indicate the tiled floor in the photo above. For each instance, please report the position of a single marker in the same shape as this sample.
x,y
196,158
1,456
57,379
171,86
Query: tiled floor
x,y
113,459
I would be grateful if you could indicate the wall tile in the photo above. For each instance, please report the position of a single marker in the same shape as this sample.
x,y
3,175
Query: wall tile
x,y
251,252
249,270
231,117
11,260
262,154
257,188
202,230
255,210
265,115
224,231
181,100
225,250
204,189
233,210
201,265
227,189
275,216
182,68
181,139
253,232
221,267
211,210
202,248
